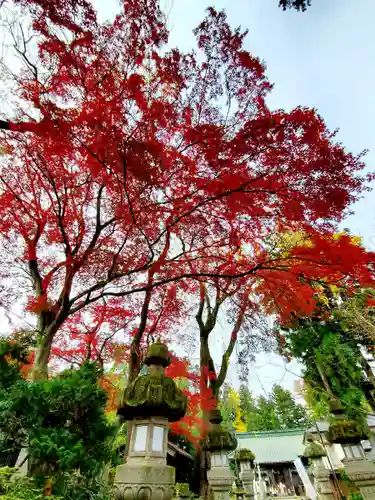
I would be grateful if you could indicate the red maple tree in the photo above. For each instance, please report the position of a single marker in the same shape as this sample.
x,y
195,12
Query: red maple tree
x,y
131,167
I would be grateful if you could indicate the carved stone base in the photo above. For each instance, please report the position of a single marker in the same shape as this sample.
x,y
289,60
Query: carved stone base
x,y
322,483
144,482
362,473
247,477
221,480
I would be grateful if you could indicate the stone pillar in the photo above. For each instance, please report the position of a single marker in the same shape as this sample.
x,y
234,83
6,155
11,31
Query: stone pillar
x,y
315,452
219,442
247,477
322,481
151,401
220,480
245,459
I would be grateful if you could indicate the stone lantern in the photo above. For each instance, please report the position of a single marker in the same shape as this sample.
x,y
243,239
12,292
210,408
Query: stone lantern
x,y
349,433
316,454
219,442
150,402
245,458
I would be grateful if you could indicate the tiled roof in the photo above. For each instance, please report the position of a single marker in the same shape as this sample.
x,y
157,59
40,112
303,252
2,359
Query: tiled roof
x,y
273,446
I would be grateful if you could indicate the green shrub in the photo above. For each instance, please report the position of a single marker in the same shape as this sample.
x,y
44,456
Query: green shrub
x,y
61,421
69,487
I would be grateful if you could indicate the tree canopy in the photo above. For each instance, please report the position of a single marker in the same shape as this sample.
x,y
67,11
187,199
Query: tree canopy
x,y
330,345
300,5
129,167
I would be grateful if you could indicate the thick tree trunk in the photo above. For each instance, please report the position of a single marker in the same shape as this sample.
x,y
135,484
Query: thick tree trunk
x,y
207,368
324,379
40,370
47,328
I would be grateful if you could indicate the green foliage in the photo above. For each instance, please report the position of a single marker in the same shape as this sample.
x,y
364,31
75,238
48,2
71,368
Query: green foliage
x,y
18,489
12,356
243,454
300,5
75,486
69,428
279,410
289,413
12,433
317,400
61,421
69,487
333,364
227,409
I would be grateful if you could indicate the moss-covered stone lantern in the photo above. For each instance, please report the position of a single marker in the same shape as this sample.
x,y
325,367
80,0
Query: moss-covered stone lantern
x,y
245,458
345,431
150,402
349,433
314,451
220,443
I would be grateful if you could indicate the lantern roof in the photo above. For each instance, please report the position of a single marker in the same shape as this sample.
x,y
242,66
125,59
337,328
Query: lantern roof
x,y
154,394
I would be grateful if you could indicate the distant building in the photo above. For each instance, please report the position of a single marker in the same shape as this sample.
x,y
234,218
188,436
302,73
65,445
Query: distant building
x,y
275,452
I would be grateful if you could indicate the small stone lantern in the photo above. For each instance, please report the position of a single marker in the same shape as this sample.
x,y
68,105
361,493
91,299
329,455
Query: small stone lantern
x,y
219,442
315,453
245,458
150,402
349,433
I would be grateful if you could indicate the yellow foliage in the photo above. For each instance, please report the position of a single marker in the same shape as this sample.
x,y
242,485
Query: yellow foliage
x,y
355,240
5,149
286,241
239,423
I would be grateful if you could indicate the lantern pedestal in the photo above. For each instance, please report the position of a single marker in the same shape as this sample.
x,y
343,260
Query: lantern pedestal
x,y
220,480
349,433
247,477
219,442
322,481
316,453
145,482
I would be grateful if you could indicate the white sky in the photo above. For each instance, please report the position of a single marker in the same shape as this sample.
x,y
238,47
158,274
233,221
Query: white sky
x,y
322,58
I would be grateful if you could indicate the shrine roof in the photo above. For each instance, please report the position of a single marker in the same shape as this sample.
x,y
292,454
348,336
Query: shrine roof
x,y
273,446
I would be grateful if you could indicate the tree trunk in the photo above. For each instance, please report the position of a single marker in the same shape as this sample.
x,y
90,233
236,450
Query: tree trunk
x,y
203,456
40,370
324,379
